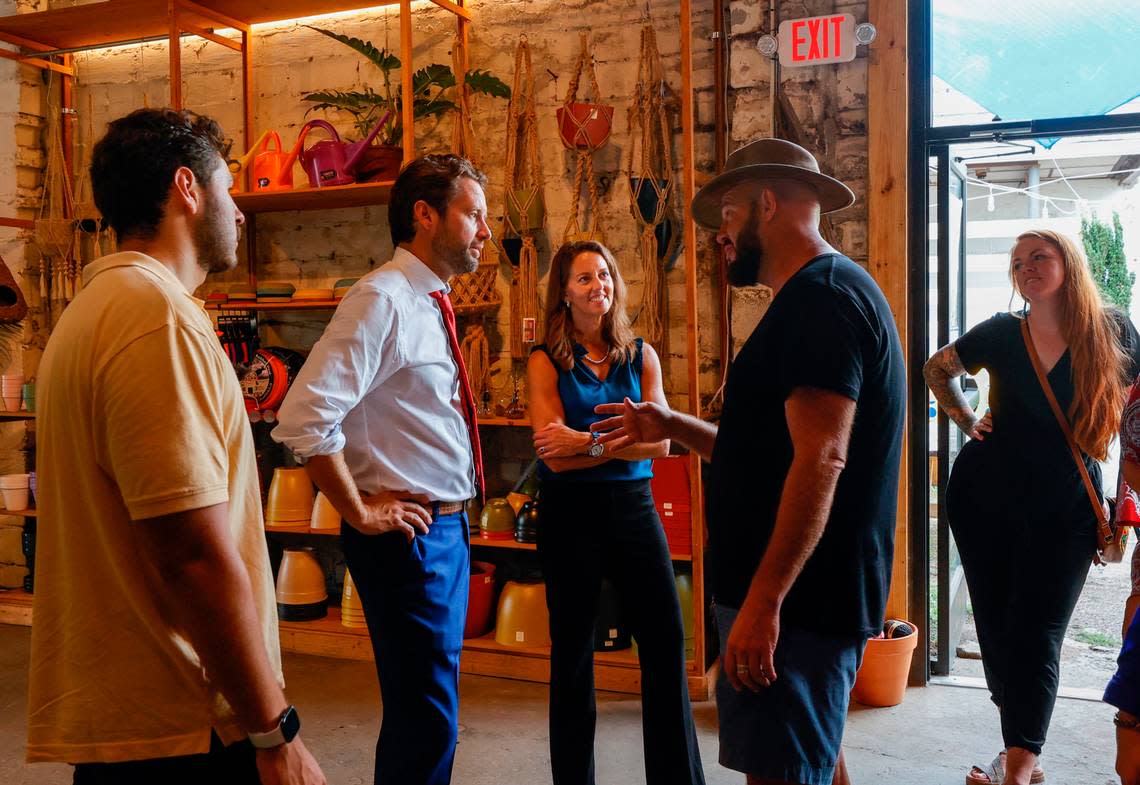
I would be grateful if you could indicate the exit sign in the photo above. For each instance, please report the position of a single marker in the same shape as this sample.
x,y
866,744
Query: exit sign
x,y
817,40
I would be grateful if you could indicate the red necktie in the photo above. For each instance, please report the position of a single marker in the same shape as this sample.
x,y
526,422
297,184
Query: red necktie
x,y
465,396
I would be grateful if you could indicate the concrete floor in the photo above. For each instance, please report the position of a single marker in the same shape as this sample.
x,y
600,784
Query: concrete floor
x,y
928,740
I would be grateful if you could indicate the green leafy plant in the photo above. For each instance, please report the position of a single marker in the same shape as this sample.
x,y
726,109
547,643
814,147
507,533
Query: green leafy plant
x,y
1104,247
431,96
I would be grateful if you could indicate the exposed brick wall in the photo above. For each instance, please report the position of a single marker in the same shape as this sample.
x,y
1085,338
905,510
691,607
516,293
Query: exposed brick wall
x,y
317,248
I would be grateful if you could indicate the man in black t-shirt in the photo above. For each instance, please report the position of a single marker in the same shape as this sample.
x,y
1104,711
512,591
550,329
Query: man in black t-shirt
x,y
805,467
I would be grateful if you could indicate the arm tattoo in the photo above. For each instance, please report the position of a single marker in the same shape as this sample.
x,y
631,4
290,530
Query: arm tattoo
x,y
940,373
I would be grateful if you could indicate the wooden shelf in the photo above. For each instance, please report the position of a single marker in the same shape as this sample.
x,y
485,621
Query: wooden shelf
x,y
503,422
334,197
529,546
16,607
112,22
294,305
280,529
30,513
16,416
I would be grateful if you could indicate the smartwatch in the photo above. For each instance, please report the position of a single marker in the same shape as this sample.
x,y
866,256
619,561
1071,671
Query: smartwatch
x,y
288,724
596,448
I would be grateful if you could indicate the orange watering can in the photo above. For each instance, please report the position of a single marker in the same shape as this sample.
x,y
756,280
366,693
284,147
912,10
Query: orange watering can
x,y
271,169
331,161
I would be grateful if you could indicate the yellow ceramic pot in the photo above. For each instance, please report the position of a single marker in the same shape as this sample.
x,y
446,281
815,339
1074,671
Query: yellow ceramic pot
x,y
301,593
522,617
291,498
324,514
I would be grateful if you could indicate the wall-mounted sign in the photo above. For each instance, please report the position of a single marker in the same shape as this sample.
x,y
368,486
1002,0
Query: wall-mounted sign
x,y
817,40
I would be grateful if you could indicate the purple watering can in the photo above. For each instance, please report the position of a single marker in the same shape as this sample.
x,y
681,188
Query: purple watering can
x,y
331,161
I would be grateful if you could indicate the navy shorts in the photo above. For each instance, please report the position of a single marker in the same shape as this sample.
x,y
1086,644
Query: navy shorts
x,y
793,729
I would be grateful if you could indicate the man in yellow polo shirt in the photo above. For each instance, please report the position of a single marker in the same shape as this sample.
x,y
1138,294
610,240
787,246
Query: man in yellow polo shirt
x,y
155,656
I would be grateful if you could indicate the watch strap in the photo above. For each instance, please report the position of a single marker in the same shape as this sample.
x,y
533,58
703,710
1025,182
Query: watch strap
x,y
288,724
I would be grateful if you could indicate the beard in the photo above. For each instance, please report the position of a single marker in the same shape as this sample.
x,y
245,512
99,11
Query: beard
x,y
453,253
745,268
214,239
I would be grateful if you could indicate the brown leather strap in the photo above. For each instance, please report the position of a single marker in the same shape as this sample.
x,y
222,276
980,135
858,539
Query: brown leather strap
x,y
1098,509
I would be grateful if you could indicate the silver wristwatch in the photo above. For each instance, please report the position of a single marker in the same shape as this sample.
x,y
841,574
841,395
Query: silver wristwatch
x,y
596,448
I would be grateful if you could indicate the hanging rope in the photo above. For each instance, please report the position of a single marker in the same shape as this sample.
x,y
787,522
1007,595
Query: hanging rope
x,y
54,233
476,352
650,185
584,128
524,209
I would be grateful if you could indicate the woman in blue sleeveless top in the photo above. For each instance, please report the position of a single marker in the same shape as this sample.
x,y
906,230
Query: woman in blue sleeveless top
x,y
599,522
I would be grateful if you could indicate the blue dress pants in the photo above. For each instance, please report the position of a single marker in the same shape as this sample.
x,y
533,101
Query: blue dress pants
x,y
415,601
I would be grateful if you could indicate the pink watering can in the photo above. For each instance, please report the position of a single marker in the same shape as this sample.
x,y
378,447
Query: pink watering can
x,y
331,161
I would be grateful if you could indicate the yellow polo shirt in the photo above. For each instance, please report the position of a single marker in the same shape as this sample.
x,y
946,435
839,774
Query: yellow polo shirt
x,y
139,414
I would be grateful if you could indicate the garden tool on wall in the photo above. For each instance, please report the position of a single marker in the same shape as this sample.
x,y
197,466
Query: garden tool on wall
x,y
584,128
524,206
476,293
331,161
650,171
54,232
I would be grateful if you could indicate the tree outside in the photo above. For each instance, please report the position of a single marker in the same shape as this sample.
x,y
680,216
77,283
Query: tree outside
x,y
1104,247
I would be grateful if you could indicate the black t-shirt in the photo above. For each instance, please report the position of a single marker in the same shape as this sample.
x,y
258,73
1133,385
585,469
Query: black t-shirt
x,y
830,328
1025,460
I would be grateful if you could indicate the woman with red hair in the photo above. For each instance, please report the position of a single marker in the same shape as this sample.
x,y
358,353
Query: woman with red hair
x,y
1016,500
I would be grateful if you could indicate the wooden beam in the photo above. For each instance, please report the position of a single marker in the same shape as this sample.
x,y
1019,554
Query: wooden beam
x,y
37,62
17,223
692,349
887,124
175,44
247,99
458,10
202,32
217,16
407,118
27,43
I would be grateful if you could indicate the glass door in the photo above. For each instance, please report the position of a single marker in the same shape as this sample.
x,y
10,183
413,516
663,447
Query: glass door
x,y
949,602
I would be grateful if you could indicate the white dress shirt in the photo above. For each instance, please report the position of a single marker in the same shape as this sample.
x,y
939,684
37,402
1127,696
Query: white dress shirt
x,y
381,384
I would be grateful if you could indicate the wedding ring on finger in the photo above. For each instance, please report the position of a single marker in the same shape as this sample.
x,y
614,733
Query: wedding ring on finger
x,y
742,670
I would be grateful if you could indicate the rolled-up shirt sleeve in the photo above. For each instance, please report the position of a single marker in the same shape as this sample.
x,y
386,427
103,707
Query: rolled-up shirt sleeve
x,y
1123,691
359,350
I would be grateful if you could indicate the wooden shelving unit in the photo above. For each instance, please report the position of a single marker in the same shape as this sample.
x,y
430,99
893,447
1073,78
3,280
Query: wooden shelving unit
x,y
333,197
41,36
293,305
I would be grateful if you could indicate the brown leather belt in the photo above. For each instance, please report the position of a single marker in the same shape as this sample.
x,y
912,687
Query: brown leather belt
x,y
446,508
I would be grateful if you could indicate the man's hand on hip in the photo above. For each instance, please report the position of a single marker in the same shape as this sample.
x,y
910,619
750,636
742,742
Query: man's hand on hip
x,y
288,764
393,511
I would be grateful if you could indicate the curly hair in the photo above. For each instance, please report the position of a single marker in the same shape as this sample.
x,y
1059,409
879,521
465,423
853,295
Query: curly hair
x,y
133,165
433,179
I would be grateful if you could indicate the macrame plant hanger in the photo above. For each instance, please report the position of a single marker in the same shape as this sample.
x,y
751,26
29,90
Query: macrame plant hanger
x,y
650,173
92,237
524,208
584,128
473,294
54,231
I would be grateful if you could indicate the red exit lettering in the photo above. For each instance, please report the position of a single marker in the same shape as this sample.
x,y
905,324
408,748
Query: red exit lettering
x,y
823,38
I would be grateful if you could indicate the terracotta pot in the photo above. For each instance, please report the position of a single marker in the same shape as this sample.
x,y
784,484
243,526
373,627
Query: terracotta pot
x,y
324,514
497,520
523,619
881,680
585,126
526,210
480,600
379,163
301,593
351,611
291,498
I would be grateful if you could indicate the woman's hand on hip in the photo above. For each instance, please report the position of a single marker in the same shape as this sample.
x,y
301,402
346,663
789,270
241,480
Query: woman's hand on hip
x,y
555,440
982,427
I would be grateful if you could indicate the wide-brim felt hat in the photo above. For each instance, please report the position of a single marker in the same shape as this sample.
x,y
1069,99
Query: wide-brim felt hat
x,y
768,159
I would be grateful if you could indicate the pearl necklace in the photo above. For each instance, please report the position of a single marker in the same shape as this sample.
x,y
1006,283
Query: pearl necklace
x,y
590,359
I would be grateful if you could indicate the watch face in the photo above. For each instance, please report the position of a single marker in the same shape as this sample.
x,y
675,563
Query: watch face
x,y
290,724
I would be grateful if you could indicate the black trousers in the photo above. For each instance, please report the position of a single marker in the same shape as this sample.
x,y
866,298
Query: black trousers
x,y
232,765
591,531
1025,571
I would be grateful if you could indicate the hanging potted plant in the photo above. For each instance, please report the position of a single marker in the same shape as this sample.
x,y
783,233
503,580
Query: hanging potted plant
x,y
432,96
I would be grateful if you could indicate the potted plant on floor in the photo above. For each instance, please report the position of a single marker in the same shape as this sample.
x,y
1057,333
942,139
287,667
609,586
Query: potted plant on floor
x,y
431,97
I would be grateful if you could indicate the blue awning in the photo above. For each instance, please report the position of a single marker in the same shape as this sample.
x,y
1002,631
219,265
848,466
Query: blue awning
x,y
1036,59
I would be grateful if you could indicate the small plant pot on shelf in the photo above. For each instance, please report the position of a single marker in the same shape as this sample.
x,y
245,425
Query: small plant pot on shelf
x,y
881,680
379,163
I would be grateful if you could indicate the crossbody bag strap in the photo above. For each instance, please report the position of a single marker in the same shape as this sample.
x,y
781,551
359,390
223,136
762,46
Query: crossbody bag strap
x,y
1098,510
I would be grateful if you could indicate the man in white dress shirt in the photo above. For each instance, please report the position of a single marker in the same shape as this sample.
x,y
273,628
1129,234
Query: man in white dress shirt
x,y
382,415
